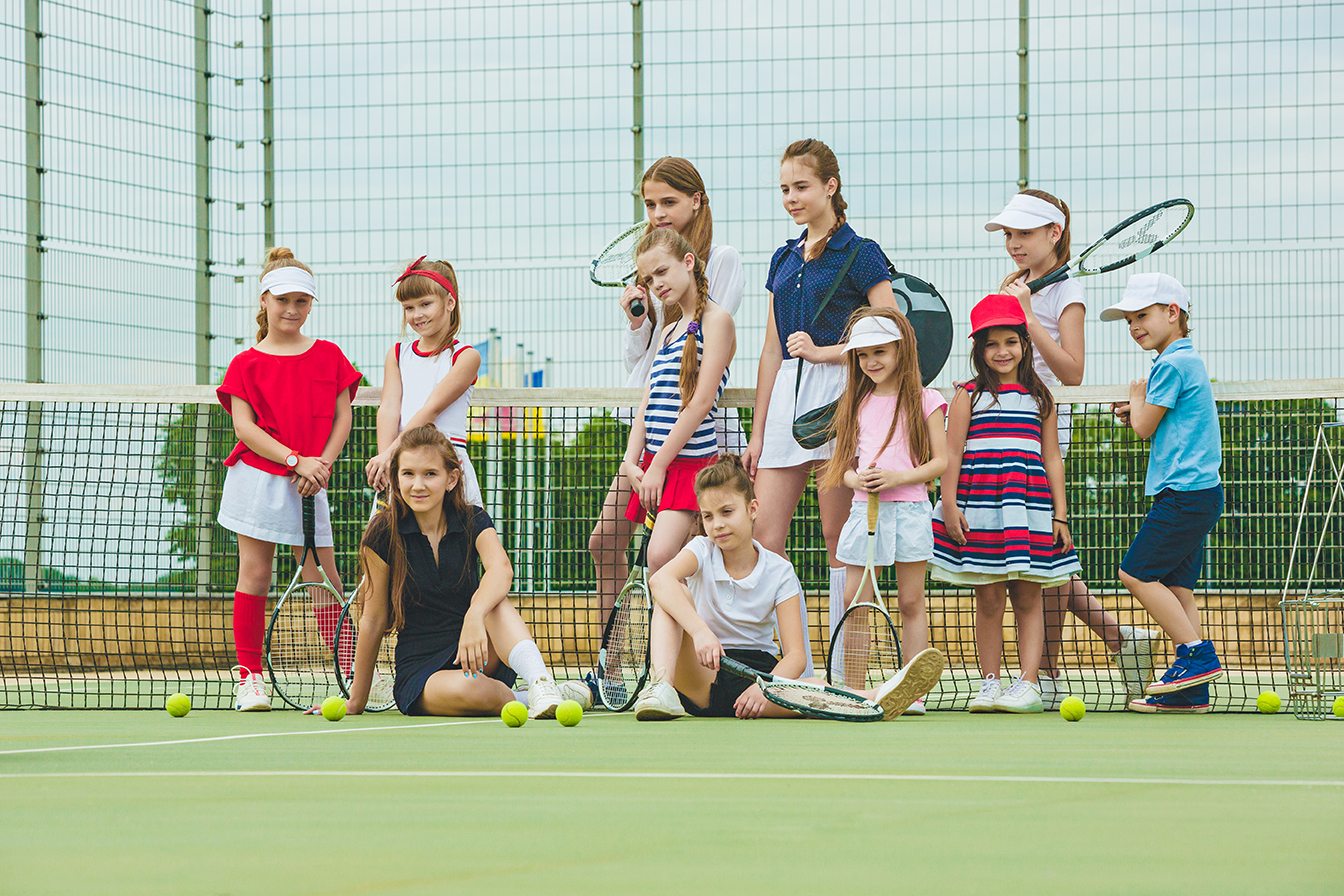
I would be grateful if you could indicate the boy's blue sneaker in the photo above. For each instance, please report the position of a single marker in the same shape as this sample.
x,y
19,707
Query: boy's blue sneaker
x,y
1194,665
1190,700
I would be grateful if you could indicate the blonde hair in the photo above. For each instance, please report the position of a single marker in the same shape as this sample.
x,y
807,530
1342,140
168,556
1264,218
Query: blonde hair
x,y
278,257
418,287
909,400
678,247
1062,250
820,157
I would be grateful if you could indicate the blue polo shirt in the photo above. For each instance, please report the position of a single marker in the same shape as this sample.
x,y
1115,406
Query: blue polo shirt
x,y
798,287
1187,448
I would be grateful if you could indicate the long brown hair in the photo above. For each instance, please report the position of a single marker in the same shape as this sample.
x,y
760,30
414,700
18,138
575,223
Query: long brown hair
x,y
678,247
986,380
680,175
1062,250
278,257
385,529
909,400
821,158
418,287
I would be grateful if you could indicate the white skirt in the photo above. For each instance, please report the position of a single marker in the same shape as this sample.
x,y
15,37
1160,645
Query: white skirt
x,y
268,507
904,534
822,384
470,486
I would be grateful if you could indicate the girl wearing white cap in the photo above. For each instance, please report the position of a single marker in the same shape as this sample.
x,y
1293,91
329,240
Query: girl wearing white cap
x,y
890,440
289,396
1035,228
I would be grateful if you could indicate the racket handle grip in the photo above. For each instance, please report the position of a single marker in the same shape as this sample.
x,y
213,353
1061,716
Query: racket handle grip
x,y
636,307
309,518
1053,277
872,511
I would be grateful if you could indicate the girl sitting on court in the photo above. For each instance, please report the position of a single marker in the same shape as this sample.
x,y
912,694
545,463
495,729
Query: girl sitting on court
x,y
725,595
289,396
428,379
673,438
890,440
459,640
1002,524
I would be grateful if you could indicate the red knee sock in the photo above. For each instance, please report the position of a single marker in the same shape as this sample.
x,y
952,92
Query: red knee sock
x,y
249,629
327,617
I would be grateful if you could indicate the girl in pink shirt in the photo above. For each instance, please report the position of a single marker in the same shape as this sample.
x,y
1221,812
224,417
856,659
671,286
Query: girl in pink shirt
x,y
889,439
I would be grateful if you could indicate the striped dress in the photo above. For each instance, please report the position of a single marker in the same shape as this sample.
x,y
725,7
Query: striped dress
x,y
665,403
1005,495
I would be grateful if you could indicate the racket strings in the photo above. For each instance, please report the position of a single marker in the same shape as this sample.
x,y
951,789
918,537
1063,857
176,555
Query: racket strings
x,y
867,650
627,646
299,649
1139,237
819,700
617,262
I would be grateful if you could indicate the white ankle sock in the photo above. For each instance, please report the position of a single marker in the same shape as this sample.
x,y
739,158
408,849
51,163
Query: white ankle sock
x,y
1193,644
525,659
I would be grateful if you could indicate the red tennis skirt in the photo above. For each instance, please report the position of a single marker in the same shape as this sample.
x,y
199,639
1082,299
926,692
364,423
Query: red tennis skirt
x,y
678,487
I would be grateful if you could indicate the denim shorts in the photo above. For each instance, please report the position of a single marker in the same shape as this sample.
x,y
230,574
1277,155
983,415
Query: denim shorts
x,y
1170,545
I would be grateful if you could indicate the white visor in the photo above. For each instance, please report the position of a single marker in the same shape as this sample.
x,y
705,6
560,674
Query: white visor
x,y
871,331
1144,290
1025,212
282,281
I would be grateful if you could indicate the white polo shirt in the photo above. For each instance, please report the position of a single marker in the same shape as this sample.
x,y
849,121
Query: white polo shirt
x,y
741,612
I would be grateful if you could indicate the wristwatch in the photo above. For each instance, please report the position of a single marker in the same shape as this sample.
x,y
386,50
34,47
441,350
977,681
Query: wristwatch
x,y
292,461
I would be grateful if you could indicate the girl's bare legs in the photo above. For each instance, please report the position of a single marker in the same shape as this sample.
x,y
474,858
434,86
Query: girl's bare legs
x,y
671,531
1173,608
910,601
990,601
778,490
1074,597
256,559
450,692
1026,598
611,536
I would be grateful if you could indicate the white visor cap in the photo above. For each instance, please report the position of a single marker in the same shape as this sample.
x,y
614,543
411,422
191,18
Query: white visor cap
x,y
1025,212
1144,290
871,331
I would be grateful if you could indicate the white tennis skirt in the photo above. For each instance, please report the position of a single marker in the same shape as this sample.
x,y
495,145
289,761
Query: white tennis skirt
x,y
267,507
822,384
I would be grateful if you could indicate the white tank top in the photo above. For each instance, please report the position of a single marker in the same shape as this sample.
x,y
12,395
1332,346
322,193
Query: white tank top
x,y
420,374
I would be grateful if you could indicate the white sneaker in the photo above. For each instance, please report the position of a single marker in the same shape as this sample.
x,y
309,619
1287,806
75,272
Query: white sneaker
x,y
658,701
990,690
542,698
899,692
1135,658
916,708
1050,694
579,692
1020,696
251,693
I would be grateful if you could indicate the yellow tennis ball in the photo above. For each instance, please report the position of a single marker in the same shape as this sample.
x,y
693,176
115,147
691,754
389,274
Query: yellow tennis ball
x,y
1338,708
569,713
1268,702
1072,709
514,714
333,709
178,705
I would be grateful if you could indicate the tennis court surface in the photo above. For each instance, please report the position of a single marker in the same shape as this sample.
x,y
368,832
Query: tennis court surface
x,y
138,802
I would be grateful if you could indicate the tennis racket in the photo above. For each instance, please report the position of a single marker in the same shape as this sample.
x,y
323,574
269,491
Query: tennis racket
x,y
623,661
865,650
615,265
302,630
924,307
347,638
1138,236
815,700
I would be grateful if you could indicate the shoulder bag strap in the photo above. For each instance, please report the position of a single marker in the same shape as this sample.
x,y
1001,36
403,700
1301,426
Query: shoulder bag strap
x,y
826,300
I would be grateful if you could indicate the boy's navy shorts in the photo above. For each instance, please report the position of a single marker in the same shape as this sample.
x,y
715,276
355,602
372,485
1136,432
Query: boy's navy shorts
x,y
1170,545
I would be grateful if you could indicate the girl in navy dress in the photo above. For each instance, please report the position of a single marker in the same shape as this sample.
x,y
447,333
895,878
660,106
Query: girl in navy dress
x,y
459,640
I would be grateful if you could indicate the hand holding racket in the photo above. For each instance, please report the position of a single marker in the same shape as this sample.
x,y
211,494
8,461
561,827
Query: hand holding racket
x,y
615,264
1136,237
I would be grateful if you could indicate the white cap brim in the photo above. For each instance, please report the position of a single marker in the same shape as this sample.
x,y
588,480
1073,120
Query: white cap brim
x,y
1146,290
1025,212
871,331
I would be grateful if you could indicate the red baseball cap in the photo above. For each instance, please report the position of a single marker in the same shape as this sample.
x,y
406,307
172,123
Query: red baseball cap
x,y
997,311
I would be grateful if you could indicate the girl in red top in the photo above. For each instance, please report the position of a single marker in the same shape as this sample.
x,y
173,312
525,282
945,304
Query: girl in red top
x,y
289,396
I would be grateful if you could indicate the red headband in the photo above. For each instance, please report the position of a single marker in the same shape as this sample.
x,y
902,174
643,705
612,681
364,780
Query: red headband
x,y
437,278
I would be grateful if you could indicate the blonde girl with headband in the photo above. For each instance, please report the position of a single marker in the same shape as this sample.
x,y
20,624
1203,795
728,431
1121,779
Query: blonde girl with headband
x,y
289,396
674,199
673,438
428,379
800,332
1036,234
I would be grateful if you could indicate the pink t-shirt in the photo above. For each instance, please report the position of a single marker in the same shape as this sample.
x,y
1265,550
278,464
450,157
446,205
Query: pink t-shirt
x,y
874,420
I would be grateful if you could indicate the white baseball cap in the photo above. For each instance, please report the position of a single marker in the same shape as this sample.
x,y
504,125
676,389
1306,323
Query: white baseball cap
x,y
1144,290
870,331
1024,212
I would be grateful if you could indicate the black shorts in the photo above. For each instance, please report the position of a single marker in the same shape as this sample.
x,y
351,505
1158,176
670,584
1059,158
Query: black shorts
x,y
727,687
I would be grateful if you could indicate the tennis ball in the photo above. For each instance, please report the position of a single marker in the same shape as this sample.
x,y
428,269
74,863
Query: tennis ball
x,y
1268,702
178,705
1338,708
514,714
333,709
1072,709
569,713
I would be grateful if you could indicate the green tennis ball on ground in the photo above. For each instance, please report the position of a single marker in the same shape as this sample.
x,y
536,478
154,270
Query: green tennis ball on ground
x,y
514,714
569,713
333,709
178,705
1268,703
1072,709
1338,708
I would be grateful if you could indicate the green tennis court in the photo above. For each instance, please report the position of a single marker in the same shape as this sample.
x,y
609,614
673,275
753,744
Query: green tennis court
x,y
136,802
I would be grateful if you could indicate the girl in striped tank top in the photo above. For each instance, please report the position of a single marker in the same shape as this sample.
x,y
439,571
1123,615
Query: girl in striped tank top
x,y
673,436
1002,523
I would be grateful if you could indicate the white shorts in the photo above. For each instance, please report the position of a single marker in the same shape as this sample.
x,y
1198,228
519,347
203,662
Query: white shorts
x,y
822,384
904,534
267,507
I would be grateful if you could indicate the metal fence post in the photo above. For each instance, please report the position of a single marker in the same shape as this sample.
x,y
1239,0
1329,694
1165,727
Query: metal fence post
x,y
32,434
637,124
1023,177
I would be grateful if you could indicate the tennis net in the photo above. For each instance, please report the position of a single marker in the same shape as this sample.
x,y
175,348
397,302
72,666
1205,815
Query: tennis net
x,y
116,583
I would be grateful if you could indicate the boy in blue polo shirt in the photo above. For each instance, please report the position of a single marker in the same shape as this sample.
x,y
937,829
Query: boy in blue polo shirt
x,y
1174,407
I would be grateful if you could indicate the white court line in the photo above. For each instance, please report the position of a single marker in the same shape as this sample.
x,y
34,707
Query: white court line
x,y
693,776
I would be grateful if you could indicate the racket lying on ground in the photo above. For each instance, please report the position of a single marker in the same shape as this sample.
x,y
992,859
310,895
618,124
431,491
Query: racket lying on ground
x,y
864,650
1138,236
815,700
922,305
623,661
615,265
302,630
346,639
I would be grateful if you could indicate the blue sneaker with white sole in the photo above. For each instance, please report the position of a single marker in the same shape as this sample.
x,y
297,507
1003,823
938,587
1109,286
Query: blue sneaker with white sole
x,y
1194,666
1190,701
